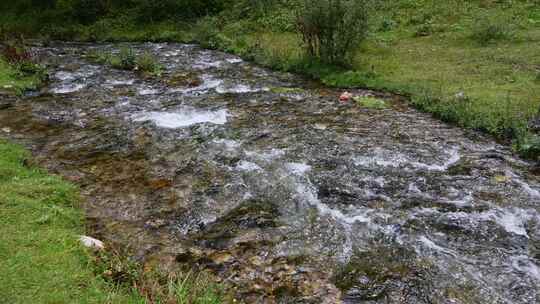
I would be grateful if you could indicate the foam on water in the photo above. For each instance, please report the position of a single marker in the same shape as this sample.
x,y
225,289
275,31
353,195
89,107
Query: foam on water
x,y
183,118
248,166
298,168
116,82
205,61
266,156
64,76
147,91
385,158
238,89
234,60
513,221
208,83
427,243
523,264
68,88
230,145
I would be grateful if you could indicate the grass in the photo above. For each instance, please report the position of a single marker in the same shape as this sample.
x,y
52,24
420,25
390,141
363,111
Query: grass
x,y
42,260
371,102
126,59
12,80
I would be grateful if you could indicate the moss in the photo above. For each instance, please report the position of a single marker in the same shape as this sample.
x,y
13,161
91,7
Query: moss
x,y
371,102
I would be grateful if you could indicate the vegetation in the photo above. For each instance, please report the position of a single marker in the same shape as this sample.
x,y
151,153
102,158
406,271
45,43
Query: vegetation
x,y
472,63
371,102
126,59
332,29
19,70
43,262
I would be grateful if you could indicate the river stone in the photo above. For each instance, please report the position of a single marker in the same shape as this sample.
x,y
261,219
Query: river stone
x,y
92,243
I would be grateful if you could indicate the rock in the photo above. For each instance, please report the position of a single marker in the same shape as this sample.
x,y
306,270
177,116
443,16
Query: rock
x,y
345,97
90,242
6,130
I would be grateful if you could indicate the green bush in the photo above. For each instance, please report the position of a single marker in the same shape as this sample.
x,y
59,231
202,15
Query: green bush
x,y
331,29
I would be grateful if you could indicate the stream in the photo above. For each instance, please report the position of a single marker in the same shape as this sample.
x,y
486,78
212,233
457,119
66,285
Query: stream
x,y
269,182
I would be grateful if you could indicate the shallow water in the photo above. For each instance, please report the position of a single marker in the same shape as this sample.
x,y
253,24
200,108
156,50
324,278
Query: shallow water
x,y
281,191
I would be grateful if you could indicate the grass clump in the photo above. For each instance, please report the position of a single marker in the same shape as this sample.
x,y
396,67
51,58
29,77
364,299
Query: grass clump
x,y
371,102
148,64
127,59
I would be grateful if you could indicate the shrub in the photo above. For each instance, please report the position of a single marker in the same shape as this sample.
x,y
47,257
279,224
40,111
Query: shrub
x,y
331,29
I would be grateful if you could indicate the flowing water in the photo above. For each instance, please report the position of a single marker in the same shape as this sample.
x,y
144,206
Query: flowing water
x,y
270,183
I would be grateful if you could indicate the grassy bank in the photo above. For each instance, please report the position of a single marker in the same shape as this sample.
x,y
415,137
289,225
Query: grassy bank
x,y
42,260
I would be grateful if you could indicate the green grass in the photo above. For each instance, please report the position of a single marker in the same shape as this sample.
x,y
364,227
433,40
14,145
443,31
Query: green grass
x,y
12,80
42,260
371,102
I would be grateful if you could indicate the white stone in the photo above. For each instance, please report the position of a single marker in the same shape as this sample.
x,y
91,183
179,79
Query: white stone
x,y
91,242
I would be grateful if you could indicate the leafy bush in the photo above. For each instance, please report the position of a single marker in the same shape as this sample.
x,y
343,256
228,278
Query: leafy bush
x,y
529,146
331,29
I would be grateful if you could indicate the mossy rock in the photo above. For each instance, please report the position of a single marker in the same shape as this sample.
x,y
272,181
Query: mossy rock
x,y
374,274
251,214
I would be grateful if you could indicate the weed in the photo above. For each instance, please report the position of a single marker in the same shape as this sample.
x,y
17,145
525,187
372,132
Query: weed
x,y
147,63
371,102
